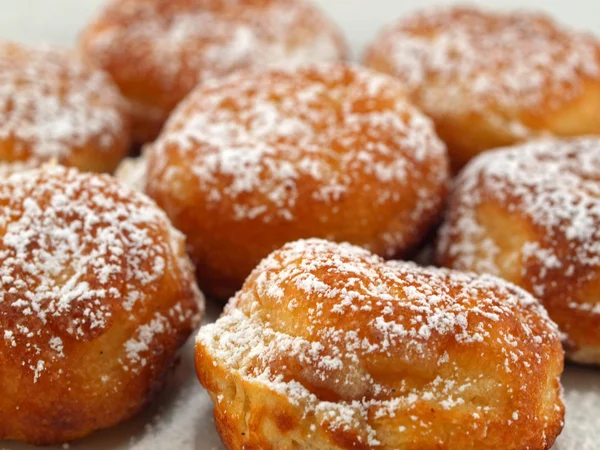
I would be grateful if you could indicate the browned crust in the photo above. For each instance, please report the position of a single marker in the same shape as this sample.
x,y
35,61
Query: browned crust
x,y
252,411
148,80
93,383
388,215
476,124
496,211
62,77
511,231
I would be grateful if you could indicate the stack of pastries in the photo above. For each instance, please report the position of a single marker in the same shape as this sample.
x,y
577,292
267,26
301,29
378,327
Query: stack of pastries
x,y
279,177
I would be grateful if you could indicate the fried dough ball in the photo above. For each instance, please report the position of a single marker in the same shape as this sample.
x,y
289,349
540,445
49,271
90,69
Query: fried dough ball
x,y
55,107
96,296
491,79
159,50
531,214
329,347
257,160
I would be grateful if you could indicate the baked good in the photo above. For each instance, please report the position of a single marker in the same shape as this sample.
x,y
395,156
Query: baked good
x,y
531,214
329,347
159,50
259,159
96,296
490,79
55,107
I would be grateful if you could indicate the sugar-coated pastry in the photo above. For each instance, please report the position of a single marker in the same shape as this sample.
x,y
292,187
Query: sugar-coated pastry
x,y
96,296
260,159
158,50
490,79
531,214
53,106
329,347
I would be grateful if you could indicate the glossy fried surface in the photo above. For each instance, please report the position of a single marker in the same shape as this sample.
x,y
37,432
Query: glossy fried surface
x,y
257,160
96,296
159,50
55,107
531,214
329,347
490,79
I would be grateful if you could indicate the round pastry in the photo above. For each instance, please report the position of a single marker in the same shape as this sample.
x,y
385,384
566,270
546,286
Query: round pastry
x,y
158,50
55,107
260,159
492,79
96,296
329,347
531,214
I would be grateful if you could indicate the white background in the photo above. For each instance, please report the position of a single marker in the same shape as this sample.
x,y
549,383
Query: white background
x,y
184,410
59,21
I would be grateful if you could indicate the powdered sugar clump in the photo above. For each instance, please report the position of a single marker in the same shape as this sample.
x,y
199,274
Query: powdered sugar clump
x,y
52,105
330,326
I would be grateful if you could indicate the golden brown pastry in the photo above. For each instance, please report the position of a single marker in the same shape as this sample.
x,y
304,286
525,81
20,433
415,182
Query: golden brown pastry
x,y
55,107
490,79
260,159
329,347
531,214
96,296
158,50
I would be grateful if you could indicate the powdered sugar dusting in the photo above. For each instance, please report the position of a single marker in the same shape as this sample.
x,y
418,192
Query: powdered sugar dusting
x,y
355,321
277,135
52,105
177,43
75,250
139,350
551,184
513,60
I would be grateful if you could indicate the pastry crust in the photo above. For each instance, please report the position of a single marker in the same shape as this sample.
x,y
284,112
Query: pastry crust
x,y
531,214
55,107
260,159
329,347
96,296
159,50
491,79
